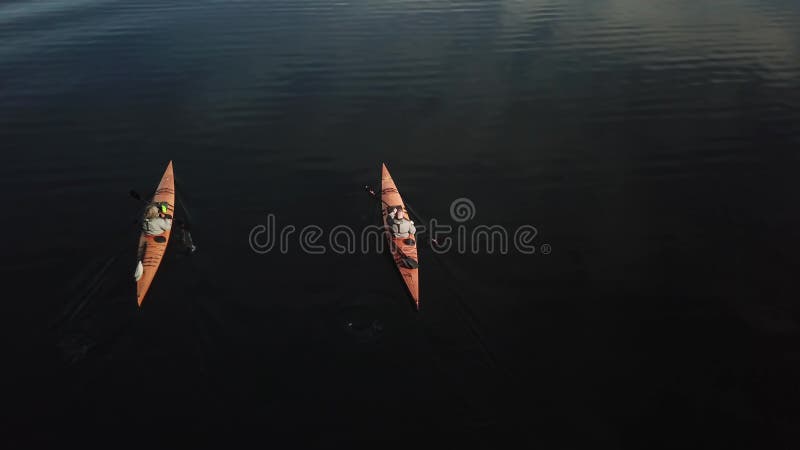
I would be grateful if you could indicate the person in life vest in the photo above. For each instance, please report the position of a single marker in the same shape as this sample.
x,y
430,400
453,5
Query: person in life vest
x,y
156,220
401,227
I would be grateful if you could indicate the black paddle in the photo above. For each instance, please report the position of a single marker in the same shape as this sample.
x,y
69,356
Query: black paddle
x,y
372,194
187,236
182,200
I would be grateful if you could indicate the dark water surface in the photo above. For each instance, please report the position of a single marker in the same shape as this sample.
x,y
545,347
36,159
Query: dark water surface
x,y
654,145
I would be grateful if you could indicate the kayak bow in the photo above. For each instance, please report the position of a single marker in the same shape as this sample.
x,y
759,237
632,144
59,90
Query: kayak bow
x,y
152,248
401,251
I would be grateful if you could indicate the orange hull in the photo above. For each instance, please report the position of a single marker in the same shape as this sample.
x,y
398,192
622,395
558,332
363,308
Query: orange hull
x,y
391,196
151,252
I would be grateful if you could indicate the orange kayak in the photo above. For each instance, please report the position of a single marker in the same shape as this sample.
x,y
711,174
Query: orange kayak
x,y
152,248
401,251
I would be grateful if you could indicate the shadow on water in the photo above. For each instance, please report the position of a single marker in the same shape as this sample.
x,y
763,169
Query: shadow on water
x,y
100,303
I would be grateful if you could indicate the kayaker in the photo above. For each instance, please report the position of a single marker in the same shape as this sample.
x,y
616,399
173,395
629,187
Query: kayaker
x,y
401,227
156,220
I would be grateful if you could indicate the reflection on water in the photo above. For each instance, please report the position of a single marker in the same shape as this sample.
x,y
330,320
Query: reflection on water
x,y
652,143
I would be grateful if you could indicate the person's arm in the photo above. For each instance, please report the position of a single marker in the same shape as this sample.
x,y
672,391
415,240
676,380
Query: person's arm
x,y
411,228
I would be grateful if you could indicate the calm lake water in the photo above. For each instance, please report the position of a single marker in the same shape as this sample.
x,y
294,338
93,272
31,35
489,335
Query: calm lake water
x,y
653,145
